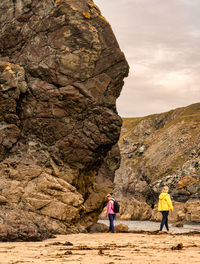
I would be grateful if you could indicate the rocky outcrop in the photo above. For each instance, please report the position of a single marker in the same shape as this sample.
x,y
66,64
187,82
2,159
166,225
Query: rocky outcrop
x,y
131,209
61,71
158,150
183,212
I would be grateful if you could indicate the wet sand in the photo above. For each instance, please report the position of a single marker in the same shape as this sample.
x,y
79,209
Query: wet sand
x,y
105,248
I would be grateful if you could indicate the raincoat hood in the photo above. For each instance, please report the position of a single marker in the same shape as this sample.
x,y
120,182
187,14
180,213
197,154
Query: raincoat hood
x,y
163,196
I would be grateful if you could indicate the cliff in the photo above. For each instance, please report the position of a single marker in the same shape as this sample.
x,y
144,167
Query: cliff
x,y
157,150
61,71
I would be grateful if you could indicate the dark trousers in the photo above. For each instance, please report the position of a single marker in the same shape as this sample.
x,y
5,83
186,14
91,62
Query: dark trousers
x,y
111,219
164,220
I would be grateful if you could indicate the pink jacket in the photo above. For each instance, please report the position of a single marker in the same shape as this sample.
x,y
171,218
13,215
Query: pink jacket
x,y
110,207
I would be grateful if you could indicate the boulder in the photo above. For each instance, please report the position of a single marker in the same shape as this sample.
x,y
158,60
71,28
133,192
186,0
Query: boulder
x,y
97,228
183,212
174,216
61,71
121,228
19,225
131,209
178,224
192,211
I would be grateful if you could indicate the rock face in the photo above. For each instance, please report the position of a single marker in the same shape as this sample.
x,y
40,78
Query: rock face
x,y
158,150
61,71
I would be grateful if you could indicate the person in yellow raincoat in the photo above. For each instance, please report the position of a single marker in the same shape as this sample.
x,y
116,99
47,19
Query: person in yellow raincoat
x,y
164,206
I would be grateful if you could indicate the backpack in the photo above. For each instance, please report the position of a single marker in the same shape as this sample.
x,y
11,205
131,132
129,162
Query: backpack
x,y
116,206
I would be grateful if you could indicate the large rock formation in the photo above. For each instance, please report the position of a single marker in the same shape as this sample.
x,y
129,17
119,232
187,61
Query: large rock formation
x,y
158,150
61,71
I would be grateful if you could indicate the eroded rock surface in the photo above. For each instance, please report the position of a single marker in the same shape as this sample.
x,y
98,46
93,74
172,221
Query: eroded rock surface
x,y
61,71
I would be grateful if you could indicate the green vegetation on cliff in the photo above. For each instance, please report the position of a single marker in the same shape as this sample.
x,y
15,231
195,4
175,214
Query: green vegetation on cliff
x,y
160,144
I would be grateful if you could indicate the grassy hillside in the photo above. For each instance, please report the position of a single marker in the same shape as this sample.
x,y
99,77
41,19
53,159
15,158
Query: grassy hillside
x,y
187,114
168,139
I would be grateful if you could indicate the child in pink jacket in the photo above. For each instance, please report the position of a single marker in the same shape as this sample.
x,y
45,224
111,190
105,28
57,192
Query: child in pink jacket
x,y
110,212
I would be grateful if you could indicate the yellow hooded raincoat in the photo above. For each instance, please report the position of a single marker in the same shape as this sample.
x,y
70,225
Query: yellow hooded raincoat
x,y
165,203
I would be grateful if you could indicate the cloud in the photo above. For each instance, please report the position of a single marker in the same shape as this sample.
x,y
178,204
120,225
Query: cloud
x,y
161,41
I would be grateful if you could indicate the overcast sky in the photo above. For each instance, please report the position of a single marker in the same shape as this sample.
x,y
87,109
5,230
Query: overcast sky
x,y
161,42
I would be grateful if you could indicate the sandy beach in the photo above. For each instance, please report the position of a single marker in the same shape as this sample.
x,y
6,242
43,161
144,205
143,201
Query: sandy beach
x,y
105,248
